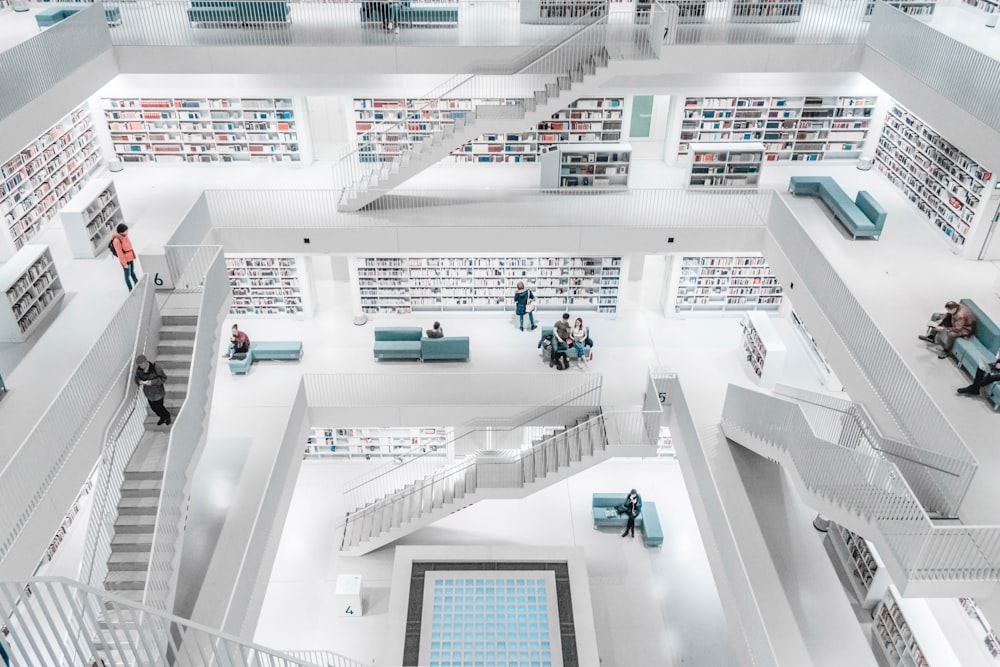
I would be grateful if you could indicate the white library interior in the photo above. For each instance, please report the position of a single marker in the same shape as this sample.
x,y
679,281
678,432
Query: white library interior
x,y
754,208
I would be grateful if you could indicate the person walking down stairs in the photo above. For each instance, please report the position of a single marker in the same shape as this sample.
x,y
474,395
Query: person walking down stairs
x,y
151,378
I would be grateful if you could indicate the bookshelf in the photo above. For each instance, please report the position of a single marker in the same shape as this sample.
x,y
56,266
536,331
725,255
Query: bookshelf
x,y
372,442
402,285
808,128
829,377
688,11
594,166
725,282
67,521
559,11
892,636
918,8
33,290
90,218
981,626
203,130
589,119
765,351
268,286
765,11
864,569
946,185
721,165
43,175
987,6
665,443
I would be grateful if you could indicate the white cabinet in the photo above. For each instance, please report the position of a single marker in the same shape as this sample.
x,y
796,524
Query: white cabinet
x,y
33,290
764,348
268,286
91,217
587,166
36,182
722,165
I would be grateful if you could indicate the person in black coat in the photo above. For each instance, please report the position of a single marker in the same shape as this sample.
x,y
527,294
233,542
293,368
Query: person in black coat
x,y
632,507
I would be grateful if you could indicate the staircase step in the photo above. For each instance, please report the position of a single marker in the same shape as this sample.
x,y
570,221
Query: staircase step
x,y
125,580
137,542
141,488
135,523
138,505
150,456
128,561
133,595
177,332
183,320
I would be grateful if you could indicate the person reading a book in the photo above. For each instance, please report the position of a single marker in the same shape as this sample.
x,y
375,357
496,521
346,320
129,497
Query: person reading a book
x,y
631,507
239,342
985,374
943,332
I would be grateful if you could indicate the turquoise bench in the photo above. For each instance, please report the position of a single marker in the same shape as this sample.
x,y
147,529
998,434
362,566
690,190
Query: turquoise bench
x,y
266,350
410,343
244,12
50,17
407,14
861,217
570,351
981,348
994,394
648,521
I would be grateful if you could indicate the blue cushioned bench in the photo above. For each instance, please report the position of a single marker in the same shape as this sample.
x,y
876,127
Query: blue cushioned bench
x,y
648,521
861,217
406,14
244,12
410,343
50,17
981,348
266,350
994,395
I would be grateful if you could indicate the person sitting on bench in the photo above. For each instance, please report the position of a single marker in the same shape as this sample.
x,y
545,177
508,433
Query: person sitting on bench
x,y
436,331
984,376
963,325
239,342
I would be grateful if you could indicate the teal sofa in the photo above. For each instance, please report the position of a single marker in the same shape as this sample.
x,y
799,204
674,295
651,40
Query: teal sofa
x,y
647,523
265,350
405,13
861,217
50,17
410,343
981,349
993,392
243,12
570,351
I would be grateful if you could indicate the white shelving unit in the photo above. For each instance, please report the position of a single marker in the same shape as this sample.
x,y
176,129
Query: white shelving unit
x,y
40,179
724,282
906,632
764,348
865,570
268,286
829,377
373,442
945,184
33,290
917,8
981,626
808,128
559,11
91,217
400,285
665,443
721,165
593,166
203,130
987,6
765,11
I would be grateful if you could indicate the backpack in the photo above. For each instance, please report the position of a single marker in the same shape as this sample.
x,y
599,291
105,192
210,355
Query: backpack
x,y
111,247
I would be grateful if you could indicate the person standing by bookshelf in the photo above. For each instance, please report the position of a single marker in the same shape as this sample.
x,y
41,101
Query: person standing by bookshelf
x,y
121,247
151,378
524,302
631,507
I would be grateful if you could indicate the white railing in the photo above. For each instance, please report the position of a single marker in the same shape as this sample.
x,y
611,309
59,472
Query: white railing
x,y
620,431
889,376
785,22
756,647
635,207
968,78
324,658
120,441
99,380
63,622
872,488
189,265
935,478
33,67
480,433
187,435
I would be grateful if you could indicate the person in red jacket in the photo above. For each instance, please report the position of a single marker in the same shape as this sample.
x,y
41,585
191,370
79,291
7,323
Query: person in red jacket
x,y
126,255
239,342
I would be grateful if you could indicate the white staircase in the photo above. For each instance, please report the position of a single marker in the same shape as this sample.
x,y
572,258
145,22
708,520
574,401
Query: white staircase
x,y
128,563
506,473
557,77
855,485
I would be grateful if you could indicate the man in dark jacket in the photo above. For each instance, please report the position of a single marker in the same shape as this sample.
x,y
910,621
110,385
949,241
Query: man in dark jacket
x,y
632,507
151,377
963,325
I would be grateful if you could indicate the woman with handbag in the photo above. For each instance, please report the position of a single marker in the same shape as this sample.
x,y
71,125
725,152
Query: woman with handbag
x,y
580,336
524,302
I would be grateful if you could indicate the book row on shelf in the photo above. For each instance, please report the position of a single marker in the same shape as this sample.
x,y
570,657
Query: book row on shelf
x,y
893,636
990,639
375,442
33,288
736,282
402,284
41,178
67,521
91,217
765,350
267,285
